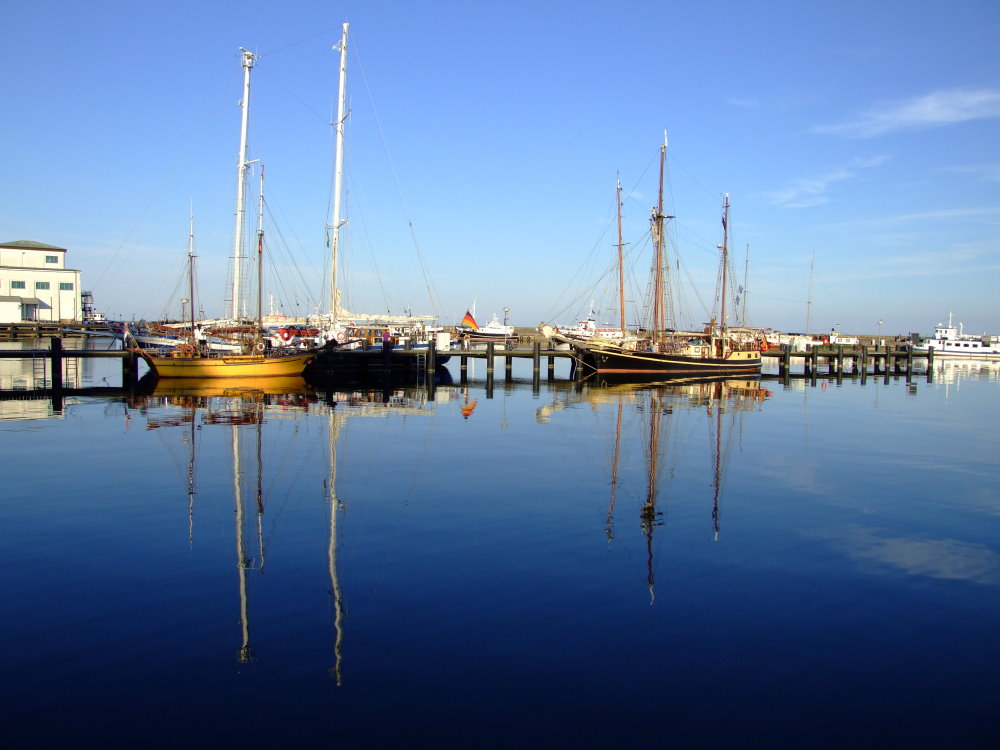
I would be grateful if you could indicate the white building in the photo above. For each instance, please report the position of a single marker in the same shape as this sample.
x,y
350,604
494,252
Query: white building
x,y
36,285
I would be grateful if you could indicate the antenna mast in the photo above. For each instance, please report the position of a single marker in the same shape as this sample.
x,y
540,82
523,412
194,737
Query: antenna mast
x,y
809,302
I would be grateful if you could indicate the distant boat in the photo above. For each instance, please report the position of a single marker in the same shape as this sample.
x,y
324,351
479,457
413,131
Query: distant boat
x,y
195,359
716,350
470,331
950,341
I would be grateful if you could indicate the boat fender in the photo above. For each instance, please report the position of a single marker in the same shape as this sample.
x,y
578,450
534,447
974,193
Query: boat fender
x,y
284,333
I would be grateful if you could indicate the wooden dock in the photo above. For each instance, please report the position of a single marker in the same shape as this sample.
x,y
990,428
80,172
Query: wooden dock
x,y
843,360
56,353
838,361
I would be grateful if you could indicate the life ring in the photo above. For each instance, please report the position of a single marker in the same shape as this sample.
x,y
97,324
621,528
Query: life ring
x,y
259,346
284,334
341,337
186,349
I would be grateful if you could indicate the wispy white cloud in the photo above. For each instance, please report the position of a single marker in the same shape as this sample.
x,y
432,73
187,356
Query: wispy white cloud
x,y
953,261
811,191
927,111
983,172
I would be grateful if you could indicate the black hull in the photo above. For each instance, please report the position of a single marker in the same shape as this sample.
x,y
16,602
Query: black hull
x,y
360,362
606,361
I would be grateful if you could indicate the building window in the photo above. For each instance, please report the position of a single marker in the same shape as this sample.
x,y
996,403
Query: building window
x,y
65,286
41,285
51,258
17,285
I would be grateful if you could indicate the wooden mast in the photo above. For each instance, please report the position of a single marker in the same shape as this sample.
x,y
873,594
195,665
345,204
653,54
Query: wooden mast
x,y
658,301
725,263
191,339
621,269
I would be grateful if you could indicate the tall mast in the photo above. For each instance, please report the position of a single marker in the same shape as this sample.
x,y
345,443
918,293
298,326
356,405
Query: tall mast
x,y
335,222
249,59
725,265
260,258
621,270
658,315
191,267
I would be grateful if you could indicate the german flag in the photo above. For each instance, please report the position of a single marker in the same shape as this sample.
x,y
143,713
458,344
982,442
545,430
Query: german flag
x,y
469,322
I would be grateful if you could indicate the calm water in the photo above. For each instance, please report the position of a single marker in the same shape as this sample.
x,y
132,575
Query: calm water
x,y
716,565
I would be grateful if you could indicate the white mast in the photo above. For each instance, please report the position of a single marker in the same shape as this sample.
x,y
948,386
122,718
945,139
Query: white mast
x,y
249,59
336,223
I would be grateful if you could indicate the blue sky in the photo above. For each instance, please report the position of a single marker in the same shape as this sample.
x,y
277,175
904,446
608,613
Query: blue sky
x,y
859,139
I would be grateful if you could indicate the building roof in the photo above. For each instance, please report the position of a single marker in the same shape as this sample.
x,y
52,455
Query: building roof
x,y
30,245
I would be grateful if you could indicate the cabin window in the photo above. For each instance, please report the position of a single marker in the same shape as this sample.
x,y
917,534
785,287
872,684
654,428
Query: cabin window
x,y
51,258
41,285
65,286
17,285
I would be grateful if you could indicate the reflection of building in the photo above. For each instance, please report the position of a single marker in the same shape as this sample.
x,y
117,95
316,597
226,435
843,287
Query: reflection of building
x,y
36,285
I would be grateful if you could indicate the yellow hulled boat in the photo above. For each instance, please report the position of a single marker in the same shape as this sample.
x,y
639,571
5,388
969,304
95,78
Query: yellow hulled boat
x,y
185,363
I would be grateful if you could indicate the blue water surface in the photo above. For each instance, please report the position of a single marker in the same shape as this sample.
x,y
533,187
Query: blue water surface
x,y
734,564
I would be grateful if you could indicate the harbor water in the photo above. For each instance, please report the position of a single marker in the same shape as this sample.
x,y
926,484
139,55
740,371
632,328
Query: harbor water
x,y
738,563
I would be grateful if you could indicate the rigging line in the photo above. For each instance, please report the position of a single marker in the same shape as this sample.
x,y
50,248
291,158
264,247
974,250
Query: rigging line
x,y
777,299
196,137
369,246
673,158
301,41
557,306
392,167
296,97
298,268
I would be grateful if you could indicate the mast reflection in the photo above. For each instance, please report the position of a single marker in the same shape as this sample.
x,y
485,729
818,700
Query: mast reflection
x,y
657,403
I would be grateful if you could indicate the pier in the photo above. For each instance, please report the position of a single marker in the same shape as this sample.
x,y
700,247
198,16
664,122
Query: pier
x,y
836,362
840,360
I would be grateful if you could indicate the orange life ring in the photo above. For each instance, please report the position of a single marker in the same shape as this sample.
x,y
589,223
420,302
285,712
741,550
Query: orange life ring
x,y
186,349
341,337
285,334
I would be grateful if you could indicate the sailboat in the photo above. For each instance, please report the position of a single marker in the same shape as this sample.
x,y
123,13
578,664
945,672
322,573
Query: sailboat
x,y
715,350
195,360
366,346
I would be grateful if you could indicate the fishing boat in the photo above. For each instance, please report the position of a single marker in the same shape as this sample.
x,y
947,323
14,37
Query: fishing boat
x,y
950,341
715,350
194,359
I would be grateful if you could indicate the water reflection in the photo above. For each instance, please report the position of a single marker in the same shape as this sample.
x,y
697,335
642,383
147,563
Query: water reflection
x,y
244,406
723,401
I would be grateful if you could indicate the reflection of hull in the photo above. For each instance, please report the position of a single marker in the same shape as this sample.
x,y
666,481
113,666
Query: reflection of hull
x,y
613,359
247,366
271,386
340,361
639,380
